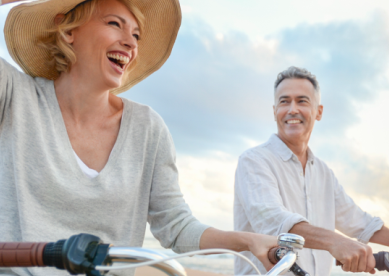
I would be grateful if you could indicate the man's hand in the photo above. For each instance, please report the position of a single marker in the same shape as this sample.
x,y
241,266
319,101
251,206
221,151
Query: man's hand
x,y
354,256
258,244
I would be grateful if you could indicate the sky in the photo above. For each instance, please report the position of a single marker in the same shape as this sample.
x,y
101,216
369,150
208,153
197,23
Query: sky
x,y
215,92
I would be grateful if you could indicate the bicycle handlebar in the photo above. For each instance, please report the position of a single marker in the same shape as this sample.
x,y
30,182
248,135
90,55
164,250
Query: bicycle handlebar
x,y
277,253
82,253
382,260
21,254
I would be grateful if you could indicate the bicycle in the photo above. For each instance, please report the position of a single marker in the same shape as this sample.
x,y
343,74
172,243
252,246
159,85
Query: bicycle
x,y
87,254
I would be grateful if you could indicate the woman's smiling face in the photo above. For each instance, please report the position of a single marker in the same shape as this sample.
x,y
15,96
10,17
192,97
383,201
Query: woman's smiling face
x,y
106,45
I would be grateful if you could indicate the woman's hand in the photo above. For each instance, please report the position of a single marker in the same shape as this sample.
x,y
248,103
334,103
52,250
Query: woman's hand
x,y
258,244
9,1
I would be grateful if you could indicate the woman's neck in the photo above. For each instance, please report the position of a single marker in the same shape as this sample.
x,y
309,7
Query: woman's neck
x,y
83,100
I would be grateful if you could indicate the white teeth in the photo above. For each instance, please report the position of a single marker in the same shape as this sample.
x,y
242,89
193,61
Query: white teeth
x,y
293,121
122,59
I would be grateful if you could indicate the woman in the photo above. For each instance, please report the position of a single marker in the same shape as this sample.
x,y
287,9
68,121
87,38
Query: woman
x,y
75,157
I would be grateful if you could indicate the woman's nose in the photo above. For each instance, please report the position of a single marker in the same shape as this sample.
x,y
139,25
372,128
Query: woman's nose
x,y
130,42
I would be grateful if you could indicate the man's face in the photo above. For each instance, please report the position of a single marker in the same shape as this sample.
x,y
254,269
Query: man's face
x,y
296,109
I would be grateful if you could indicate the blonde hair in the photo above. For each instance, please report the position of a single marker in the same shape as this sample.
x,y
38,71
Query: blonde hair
x,y
63,56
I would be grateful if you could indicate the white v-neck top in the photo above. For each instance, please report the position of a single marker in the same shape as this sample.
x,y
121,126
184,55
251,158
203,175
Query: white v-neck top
x,y
91,173
45,196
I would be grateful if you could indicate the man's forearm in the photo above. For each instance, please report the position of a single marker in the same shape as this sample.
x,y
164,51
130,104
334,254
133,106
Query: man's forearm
x,y
354,256
315,237
381,236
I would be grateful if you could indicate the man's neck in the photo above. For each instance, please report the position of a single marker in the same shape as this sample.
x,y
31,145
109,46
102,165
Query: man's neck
x,y
299,148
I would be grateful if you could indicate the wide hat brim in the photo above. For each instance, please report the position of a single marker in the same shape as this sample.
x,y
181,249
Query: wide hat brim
x,y
28,22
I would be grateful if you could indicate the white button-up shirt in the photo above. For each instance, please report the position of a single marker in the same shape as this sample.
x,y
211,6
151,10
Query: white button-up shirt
x,y
272,194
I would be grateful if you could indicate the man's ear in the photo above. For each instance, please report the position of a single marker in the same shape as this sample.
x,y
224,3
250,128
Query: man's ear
x,y
274,113
68,37
319,112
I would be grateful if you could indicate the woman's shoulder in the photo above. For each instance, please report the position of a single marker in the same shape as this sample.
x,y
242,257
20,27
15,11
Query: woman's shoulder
x,y
9,71
144,114
13,73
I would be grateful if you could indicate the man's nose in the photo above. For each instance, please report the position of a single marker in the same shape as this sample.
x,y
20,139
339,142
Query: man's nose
x,y
293,108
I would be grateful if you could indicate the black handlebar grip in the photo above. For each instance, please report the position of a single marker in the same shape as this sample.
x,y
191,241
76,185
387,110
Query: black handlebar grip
x,y
52,255
298,271
21,254
382,260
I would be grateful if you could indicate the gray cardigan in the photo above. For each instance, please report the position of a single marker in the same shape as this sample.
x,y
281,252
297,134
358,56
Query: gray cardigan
x,y
44,195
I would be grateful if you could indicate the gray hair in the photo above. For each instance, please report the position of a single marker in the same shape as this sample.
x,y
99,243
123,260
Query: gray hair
x,y
294,72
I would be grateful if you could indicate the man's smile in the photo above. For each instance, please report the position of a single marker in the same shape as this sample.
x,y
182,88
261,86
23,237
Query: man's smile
x,y
293,121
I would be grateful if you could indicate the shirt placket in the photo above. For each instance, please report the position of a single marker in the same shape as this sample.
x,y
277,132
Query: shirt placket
x,y
307,186
308,197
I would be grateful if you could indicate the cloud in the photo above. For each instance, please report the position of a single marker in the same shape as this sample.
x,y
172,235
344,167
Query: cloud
x,y
215,92
208,186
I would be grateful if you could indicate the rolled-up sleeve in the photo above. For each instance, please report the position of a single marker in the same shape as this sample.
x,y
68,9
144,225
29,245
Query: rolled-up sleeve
x,y
171,220
351,219
257,191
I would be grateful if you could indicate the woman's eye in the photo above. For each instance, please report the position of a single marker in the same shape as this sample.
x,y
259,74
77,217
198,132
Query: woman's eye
x,y
136,36
114,23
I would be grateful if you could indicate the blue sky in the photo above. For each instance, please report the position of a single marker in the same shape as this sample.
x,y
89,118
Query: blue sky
x,y
216,92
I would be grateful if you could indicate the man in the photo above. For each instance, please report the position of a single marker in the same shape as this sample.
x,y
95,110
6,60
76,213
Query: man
x,y
280,187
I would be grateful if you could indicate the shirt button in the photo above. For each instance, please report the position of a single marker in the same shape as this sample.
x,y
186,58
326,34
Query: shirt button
x,y
301,174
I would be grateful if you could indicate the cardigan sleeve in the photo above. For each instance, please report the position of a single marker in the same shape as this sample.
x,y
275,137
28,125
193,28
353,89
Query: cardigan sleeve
x,y
171,220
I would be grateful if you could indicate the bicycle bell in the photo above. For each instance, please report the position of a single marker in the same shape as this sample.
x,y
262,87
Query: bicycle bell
x,y
291,241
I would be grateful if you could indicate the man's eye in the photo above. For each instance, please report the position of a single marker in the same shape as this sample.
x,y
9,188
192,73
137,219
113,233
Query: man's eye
x,y
114,23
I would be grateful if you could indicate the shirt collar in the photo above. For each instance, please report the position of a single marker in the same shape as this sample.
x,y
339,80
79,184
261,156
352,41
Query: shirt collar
x,y
284,152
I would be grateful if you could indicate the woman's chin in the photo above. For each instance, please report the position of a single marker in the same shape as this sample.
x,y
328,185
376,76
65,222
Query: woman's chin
x,y
113,83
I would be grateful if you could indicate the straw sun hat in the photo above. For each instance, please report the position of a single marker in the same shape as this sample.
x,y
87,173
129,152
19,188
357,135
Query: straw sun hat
x,y
29,21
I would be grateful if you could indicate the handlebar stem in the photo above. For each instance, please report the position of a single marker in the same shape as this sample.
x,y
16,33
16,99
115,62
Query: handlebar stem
x,y
283,265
